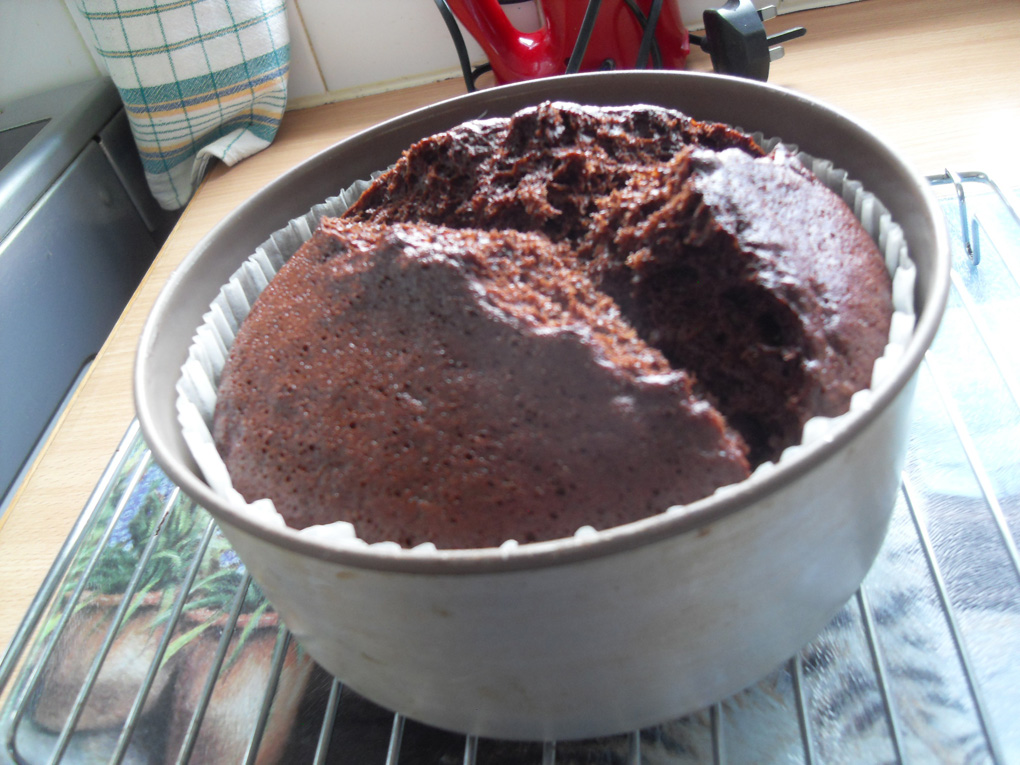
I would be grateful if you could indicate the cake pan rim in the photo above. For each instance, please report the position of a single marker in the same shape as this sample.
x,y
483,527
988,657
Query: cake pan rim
x,y
561,551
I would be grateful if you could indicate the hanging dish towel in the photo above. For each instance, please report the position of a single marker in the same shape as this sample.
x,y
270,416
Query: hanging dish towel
x,y
199,79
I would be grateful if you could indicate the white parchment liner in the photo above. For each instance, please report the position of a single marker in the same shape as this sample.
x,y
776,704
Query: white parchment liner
x,y
196,388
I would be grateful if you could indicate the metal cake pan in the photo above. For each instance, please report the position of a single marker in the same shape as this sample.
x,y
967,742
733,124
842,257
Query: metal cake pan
x,y
584,636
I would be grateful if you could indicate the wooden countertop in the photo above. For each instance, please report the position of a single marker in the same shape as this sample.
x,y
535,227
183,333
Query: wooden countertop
x,y
935,78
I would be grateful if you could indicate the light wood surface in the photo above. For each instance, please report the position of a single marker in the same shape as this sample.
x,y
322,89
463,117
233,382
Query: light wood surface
x,y
935,78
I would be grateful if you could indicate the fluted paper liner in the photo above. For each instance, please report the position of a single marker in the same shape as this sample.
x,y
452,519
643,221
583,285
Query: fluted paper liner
x,y
196,388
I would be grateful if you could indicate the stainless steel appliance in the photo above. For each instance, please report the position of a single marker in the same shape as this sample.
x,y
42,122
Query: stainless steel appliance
x,y
78,229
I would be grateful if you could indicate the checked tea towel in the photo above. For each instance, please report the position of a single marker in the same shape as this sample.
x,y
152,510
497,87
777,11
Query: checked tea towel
x,y
199,79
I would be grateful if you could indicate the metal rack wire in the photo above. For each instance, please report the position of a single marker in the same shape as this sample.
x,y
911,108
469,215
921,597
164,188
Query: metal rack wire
x,y
920,665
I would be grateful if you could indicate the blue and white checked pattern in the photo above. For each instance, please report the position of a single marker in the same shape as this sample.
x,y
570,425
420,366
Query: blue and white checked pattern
x,y
199,79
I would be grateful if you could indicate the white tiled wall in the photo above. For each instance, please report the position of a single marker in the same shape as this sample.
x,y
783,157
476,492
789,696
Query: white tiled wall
x,y
365,44
40,49
339,48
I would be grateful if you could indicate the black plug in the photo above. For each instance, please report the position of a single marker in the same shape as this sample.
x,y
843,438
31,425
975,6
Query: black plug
x,y
735,39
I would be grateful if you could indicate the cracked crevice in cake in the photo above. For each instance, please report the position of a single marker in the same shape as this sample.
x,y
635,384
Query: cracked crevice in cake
x,y
575,316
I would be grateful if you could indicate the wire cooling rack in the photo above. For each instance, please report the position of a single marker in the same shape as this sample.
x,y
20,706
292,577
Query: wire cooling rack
x,y
148,642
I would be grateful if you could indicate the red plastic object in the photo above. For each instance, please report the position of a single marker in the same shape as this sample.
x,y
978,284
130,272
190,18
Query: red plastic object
x,y
614,43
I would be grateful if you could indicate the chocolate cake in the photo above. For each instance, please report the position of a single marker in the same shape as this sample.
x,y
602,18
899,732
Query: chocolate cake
x,y
753,275
463,387
544,170
574,316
